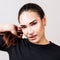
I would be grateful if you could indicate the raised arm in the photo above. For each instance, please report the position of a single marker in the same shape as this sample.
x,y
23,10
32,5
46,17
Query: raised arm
x,y
8,28
9,32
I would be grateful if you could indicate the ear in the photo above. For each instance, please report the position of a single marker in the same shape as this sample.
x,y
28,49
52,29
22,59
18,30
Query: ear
x,y
44,21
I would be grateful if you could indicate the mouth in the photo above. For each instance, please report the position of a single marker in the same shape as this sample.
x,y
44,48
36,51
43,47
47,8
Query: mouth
x,y
33,37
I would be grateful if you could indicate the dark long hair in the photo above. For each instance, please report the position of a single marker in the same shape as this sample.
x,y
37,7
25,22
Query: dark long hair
x,y
10,39
31,7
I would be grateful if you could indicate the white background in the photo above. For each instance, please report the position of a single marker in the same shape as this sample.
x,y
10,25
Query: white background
x,y
9,12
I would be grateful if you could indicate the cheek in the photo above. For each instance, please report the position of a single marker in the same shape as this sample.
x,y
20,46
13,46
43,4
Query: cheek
x,y
37,28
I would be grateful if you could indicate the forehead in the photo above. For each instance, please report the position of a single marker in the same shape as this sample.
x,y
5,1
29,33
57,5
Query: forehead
x,y
28,16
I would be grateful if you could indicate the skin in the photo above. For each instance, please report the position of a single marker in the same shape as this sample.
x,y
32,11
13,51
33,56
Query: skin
x,y
33,27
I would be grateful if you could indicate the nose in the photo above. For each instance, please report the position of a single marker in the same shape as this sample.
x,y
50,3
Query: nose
x,y
30,31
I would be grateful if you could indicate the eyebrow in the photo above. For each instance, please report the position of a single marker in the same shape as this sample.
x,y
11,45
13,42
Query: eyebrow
x,y
29,23
33,21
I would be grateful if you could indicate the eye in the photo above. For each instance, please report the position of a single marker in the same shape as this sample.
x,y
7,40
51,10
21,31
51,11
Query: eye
x,y
34,23
23,27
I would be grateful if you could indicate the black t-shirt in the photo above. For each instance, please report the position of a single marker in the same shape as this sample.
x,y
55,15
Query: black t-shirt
x,y
25,50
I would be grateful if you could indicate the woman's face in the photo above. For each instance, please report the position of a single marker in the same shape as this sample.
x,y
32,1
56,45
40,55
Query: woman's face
x,y
32,26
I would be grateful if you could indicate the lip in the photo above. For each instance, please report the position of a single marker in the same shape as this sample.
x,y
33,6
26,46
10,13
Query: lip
x,y
33,37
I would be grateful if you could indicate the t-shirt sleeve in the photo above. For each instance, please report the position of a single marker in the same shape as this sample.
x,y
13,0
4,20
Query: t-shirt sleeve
x,y
2,46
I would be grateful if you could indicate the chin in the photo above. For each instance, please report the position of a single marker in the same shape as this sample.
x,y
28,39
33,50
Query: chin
x,y
34,41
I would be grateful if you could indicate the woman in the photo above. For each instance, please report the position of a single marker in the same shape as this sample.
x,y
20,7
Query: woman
x,y
32,23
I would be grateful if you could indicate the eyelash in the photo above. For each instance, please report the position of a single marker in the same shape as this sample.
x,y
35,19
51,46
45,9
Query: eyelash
x,y
23,27
34,23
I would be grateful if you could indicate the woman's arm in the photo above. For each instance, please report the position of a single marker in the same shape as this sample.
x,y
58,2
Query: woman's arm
x,y
8,35
8,28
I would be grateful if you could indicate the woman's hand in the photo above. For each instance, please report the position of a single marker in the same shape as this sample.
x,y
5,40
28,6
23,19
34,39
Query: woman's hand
x,y
20,33
15,30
